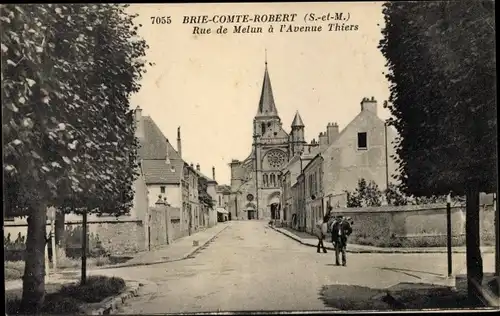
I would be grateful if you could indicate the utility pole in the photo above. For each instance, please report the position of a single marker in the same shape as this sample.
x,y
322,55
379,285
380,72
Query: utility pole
x,y
497,240
84,248
386,158
448,234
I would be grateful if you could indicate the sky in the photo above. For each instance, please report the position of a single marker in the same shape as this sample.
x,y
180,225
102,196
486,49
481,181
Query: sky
x,y
210,85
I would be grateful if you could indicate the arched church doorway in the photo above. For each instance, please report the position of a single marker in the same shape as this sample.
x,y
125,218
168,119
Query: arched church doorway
x,y
251,210
274,204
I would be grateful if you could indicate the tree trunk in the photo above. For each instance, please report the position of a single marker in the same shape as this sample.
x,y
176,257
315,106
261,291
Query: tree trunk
x,y
60,235
34,270
59,229
473,241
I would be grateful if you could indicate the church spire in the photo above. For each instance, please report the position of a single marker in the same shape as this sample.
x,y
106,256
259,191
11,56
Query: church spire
x,y
297,120
266,103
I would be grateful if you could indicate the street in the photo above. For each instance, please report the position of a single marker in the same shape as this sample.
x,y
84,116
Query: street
x,y
252,267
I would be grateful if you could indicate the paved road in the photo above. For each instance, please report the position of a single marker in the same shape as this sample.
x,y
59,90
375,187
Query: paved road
x,y
251,267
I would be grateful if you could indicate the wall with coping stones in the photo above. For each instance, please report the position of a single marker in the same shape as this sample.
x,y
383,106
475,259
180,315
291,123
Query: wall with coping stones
x,y
414,225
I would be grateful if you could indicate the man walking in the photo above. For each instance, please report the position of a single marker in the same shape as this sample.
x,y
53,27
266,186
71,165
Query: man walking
x,y
322,231
341,229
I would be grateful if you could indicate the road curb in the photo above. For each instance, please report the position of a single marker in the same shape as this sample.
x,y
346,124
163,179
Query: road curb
x,y
198,248
386,251
110,304
129,265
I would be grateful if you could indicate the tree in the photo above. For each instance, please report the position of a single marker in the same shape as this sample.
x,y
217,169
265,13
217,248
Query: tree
x,y
203,196
67,74
394,196
366,194
442,66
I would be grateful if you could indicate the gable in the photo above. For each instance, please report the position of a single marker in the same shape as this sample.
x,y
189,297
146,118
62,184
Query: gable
x,y
155,144
362,120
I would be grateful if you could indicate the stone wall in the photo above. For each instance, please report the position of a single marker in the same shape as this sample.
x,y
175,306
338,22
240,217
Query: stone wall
x,y
116,237
414,225
120,237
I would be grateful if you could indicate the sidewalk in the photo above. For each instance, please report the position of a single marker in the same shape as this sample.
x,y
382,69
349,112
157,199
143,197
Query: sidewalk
x,y
310,240
180,249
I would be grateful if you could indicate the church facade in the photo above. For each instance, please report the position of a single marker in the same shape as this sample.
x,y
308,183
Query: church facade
x,y
256,180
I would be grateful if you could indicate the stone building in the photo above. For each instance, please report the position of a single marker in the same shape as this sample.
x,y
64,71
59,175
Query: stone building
x,y
167,174
293,213
256,180
314,192
364,149
190,211
208,216
335,164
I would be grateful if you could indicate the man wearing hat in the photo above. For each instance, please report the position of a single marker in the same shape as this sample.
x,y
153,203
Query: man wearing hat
x,y
341,229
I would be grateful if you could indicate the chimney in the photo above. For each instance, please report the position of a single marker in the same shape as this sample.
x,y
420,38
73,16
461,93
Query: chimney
x,y
179,144
332,131
370,105
323,140
198,167
139,123
213,173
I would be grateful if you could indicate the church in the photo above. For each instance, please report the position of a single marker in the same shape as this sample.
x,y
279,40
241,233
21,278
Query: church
x,y
256,181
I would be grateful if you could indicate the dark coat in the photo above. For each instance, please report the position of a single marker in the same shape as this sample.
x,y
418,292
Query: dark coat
x,y
345,231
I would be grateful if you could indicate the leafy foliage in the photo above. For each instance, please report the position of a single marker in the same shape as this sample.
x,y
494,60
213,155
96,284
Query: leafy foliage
x,y
366,194
203,195
394,196
67,74
442,70
442,65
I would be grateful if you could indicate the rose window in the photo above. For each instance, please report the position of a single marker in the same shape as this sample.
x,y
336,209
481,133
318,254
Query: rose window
x,y
276,158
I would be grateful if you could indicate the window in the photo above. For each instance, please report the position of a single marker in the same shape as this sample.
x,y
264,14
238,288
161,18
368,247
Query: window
x,y
263,127
162,189
264,178
362,140
273,180
219,201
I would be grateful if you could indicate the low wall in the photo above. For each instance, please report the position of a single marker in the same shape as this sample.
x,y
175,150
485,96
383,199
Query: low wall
x,y
414,225
116,237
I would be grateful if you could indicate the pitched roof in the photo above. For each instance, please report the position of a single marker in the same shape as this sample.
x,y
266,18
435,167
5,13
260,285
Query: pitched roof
x,y
266,103
297,120
155,144
201,175
159,172
153,152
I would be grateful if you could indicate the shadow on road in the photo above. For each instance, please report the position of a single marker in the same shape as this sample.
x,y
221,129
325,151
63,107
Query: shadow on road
x,y
403,296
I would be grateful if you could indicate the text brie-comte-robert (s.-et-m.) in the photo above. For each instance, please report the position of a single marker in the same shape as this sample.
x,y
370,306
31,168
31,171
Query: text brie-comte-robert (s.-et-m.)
x,y
240,18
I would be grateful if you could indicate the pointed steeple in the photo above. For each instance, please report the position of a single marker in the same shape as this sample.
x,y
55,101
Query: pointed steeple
x,y
266,103
297,120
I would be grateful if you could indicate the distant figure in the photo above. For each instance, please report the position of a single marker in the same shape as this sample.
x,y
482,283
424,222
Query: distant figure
x,y
321,232
341,229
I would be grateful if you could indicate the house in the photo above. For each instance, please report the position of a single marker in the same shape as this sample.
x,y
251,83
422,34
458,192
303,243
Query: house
x,y
190,210
294,210
167,175
208,217
314,192
364,149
